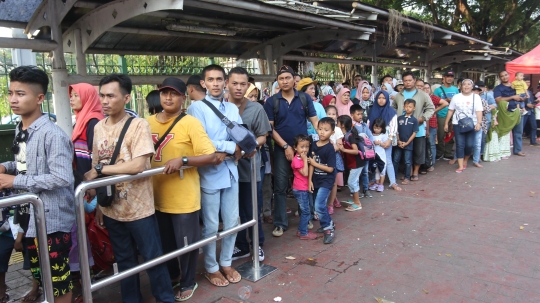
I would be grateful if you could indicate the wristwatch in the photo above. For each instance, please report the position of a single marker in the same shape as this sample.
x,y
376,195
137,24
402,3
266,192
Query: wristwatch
x,y
98,169
285,146
184,161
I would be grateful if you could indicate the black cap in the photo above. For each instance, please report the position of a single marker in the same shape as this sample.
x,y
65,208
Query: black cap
x,y
174,83
286,69
194,80
476,87
449,73
480,83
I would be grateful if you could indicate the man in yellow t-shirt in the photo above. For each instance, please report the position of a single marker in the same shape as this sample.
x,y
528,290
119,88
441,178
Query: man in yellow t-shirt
x,y
178,200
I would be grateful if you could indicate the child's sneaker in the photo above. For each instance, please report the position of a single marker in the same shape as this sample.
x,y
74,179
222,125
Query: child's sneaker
x,y
367,194
309,225
308,236
374,186
328,236
380,188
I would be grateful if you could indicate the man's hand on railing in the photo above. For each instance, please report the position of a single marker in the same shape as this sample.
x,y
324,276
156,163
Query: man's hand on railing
x,y
173,166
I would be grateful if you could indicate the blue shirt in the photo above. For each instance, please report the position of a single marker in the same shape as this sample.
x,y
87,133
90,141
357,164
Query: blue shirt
x,y
325,155
449,92
422,127
217,176
321,113
531,100
406,127
363,128
490,100
504,91
291,118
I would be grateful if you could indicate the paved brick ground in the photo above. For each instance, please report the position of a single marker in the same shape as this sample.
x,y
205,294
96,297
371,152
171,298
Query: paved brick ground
x,y
447,238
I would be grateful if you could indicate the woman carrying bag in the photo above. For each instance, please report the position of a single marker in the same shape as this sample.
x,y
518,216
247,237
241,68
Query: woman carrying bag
x,y
465,110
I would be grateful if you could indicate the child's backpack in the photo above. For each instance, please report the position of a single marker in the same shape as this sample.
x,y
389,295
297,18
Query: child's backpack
x,y
368,148
350,160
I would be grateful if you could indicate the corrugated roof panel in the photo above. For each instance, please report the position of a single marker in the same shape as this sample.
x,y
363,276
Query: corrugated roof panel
x,y
18,10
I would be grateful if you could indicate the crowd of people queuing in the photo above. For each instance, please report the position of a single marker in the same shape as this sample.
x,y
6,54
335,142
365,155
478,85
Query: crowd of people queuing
x,y
318,134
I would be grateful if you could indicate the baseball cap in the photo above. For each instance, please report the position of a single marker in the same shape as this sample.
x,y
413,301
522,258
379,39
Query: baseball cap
x,y
449,73
477,87
174,83
286,69
194,80
480,83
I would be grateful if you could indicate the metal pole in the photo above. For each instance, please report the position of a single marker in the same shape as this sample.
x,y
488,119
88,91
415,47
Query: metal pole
x,y
41,232
255,212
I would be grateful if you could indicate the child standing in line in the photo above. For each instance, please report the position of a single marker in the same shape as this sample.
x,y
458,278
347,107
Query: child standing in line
x,y
354,162
407,129
357,115
521,89
322,175
378,165
336,139
300,186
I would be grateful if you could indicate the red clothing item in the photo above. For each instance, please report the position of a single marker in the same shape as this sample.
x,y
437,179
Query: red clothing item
x,y
300,181
433,120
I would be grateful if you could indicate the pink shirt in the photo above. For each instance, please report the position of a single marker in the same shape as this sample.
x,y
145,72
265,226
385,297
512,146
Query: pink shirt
x,y
300,182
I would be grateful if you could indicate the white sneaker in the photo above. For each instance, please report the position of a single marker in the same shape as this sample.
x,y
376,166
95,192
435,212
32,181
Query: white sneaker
x,y
261,254
309,225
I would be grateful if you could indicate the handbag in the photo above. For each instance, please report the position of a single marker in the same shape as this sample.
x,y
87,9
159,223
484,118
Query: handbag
x,y
239,134
105,194
465,124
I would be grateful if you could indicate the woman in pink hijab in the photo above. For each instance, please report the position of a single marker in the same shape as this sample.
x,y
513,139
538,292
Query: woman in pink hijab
x,y
343,102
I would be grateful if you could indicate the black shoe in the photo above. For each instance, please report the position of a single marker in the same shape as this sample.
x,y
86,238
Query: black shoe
x,y
367,194
535,144
320,230
328,236
238,254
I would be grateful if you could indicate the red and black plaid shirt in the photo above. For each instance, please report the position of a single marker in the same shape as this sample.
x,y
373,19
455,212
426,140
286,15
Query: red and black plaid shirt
x,y
433,119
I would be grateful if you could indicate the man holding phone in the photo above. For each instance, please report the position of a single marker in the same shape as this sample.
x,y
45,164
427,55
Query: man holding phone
x,y
446,91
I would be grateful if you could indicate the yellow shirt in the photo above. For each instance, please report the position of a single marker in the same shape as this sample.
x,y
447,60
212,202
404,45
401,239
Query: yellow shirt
x,y
187,139
520,86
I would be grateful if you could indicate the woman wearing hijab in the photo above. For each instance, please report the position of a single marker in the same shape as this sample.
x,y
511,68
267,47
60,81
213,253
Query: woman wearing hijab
x,y
343,102
364,96
382,109
252,94
328,100
84,102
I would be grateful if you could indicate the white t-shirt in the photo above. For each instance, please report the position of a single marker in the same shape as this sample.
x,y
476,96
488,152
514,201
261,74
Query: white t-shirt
x,y
338,134
379,150
463,107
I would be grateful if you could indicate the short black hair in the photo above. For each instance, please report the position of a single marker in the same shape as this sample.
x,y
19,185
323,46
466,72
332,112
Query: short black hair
x,y
300,138
384,77
460,80
379,122
239,71
355,107
410,101
345,83
251,80
408,73
198,87
331,83
123,81
213,67
345,121
329,121
358,76
153,100
296,75
330,107
30,75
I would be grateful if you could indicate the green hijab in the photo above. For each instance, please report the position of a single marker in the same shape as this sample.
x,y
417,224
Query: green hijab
x,y
507,120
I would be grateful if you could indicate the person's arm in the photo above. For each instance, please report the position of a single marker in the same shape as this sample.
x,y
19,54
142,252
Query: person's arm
x,y
324,168
310,178
305,169
429,109
497,95
8,167
442,104
410,139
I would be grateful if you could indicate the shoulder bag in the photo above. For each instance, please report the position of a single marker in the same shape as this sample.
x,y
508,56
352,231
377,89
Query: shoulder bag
x,y
158,143
465,124
105,194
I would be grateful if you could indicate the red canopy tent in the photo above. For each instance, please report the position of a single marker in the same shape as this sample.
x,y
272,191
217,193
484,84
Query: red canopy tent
x,y
528,64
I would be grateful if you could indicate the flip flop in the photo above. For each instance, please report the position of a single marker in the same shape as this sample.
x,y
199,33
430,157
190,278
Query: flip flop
x,y
210,280
192,288
230,277
459,171
348,202
353,207
405,181
414,178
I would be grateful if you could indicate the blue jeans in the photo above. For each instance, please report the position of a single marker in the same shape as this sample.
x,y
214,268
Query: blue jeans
x,y
390,172
302,196
126,238
407,155
432,140
212,201
517,133
484,138
354,179
465,143
321,198
477,146
530,119
282,171
245,210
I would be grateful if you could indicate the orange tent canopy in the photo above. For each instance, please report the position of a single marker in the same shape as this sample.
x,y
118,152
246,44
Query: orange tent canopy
x,y
529,63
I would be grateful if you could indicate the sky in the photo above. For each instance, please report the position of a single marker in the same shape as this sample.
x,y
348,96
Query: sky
x,y
5,32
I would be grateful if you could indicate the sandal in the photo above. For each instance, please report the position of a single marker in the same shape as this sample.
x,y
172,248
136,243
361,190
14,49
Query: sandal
x,y
431,169
348,202
230,273
405,182
395,187
478,165
212,280
184,289
414,178
336,203
353,207
459,171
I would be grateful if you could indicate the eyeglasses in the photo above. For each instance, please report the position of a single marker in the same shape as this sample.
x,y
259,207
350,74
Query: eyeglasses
x,y
22,136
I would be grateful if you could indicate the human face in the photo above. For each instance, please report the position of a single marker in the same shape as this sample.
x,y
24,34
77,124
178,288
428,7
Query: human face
x,y
400,88
466,87
408,82
238,86
297,80
338,124
346,86
302,148
332,102
409,108
331,113
253,95
310,90
383,87
519,76
357,116
365,94
381,100
75,101
346,97
286,81
448,80
377,130
419,85
171,100
427,89
214,82
25,99
325,131
387,80
357,80
113,99
503,76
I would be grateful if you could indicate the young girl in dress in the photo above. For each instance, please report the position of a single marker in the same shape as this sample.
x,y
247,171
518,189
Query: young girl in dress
x,y
336,140
378,165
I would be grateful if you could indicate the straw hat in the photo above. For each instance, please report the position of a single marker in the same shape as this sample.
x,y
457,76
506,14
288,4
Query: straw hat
x,y
305,82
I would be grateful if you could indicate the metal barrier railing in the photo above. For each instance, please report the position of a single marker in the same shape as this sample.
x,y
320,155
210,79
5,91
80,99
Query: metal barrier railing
x,y
88,287
41,231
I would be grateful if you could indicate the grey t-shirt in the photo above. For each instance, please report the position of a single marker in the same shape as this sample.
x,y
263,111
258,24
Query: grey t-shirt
x,y
257,122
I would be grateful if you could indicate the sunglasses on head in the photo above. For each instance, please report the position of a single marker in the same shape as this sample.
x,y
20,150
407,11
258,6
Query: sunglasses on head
x,y
22,136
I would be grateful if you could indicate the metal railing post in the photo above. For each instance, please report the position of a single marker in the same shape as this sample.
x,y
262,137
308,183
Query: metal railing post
x,y
41,232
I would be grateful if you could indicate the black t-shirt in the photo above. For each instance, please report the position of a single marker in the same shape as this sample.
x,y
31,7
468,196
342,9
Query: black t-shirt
x,y
406,127
353,161
325,155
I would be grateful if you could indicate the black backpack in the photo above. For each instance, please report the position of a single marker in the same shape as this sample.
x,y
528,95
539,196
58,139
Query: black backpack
x,y
303,99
